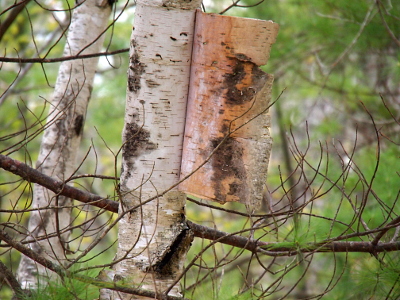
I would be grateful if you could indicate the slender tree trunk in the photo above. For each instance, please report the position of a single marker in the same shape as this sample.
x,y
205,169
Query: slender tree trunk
x,y
153,236
62,137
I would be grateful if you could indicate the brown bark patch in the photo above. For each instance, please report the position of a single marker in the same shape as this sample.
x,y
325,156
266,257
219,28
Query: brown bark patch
x,y
78,124
137,141
245,81
169,264
229,174
136,69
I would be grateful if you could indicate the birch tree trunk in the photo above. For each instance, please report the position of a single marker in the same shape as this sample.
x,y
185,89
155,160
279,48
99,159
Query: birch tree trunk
x,y
153,236
62,137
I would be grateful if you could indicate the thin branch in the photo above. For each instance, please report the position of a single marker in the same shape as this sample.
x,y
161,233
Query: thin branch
x,y
233,239
60,59
389,31
57,186
65,273
236,4
17,8
10,279
365,22
388,226
288,248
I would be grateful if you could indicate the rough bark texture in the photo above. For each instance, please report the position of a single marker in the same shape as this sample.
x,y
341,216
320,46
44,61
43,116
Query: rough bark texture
x,y
153,238
63,135
227,90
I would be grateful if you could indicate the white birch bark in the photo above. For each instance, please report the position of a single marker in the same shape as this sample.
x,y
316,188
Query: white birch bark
x,y
62,136
153,238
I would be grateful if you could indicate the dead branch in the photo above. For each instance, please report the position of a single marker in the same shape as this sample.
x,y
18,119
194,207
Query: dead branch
x,y
57,186
233,239
60,59
65,273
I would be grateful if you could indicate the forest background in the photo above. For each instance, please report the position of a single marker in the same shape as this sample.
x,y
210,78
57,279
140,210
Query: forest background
x,y
337,71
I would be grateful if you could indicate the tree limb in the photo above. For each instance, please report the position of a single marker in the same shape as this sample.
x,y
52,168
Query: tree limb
x,y
65,273
57,186
60,59
233,239
9,277
17,8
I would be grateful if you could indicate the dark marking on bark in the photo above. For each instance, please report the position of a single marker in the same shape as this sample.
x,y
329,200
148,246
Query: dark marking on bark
x,y
169,264
90,92
151,83
78,124
117,278
242,57
183,33
184,5
227,164
225,127
136,69
245,81
172,38
136,141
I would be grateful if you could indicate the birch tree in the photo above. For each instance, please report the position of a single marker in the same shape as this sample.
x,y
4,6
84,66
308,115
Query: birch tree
x,y
346,241
153,237
61,139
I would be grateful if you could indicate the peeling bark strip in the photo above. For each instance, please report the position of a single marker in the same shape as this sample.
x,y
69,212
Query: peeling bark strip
x,y
227,90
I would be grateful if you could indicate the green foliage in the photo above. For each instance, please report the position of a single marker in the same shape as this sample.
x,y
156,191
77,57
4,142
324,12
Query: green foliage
x,y
225,286
381,280
330,56
64,289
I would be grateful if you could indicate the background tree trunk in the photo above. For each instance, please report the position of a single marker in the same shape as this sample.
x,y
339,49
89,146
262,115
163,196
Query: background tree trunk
x,y
153,237
62,137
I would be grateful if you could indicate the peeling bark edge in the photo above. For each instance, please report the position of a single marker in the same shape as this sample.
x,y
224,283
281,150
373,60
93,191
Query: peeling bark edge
x,y
228,88
178,248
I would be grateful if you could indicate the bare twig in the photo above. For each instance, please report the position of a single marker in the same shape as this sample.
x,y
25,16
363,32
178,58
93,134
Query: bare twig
x,y
233,239
15,11
57,186
60,59
65,273
10,279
